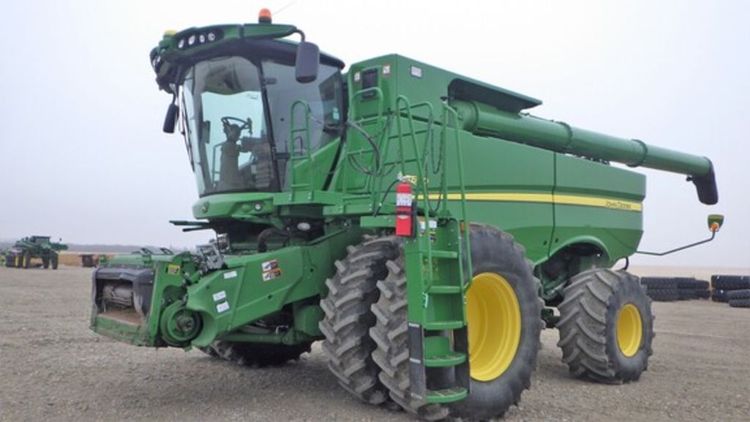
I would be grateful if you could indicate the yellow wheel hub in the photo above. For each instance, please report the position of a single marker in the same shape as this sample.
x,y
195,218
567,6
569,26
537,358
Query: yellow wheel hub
x,y
494,324
629,330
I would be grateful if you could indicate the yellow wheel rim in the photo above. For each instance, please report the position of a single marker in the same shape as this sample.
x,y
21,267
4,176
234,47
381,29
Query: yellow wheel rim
x,y
494,324
629,330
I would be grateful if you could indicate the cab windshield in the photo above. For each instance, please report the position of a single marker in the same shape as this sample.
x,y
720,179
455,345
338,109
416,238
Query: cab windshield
x,y
237,120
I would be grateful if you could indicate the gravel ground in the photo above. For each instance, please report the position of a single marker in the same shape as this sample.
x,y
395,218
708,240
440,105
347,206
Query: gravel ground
x,y
53,368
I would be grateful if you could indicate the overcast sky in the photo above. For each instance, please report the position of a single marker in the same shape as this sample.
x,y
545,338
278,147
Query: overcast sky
x,y
83,157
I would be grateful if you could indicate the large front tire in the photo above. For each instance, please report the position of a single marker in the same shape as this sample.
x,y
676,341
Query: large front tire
x,y
606,326
504,323
348,318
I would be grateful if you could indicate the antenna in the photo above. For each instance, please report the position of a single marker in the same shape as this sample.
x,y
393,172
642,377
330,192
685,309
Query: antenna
x,y
284,7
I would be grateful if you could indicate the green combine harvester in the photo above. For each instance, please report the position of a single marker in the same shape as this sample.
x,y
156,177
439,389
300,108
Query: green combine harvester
x,y
28,248
420,223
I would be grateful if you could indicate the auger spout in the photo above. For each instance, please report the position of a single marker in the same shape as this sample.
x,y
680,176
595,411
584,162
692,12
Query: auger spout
x,y
483,119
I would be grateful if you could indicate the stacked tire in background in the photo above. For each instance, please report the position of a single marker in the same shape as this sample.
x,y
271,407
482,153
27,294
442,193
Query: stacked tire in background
x,y
690,288
669,289
661,289
734,289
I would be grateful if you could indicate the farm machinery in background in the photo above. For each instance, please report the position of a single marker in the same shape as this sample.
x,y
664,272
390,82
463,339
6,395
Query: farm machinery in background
x,y
420,223
34,247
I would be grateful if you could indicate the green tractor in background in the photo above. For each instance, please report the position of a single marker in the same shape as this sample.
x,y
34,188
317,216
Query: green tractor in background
x,y
420,223
28,248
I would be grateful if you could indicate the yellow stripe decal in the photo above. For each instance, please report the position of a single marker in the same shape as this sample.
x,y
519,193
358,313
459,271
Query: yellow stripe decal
x,y
589,201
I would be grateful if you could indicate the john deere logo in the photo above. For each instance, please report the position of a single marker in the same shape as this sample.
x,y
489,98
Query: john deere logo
x,y
618,204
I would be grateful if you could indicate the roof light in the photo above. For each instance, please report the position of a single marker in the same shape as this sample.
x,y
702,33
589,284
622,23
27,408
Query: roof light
x,y
264,16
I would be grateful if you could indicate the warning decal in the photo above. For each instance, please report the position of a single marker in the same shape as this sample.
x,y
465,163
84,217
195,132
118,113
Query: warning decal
x,y
271,270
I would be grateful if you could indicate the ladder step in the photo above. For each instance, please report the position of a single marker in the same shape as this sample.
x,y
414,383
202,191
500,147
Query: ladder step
x,y
437,253
443,325
437,290
446,395
442,361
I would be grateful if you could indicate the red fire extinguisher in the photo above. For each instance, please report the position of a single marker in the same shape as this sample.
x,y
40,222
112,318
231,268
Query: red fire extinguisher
x,y
404,210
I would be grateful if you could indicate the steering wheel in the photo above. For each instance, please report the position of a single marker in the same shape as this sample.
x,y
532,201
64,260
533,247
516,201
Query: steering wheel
x,y
244,124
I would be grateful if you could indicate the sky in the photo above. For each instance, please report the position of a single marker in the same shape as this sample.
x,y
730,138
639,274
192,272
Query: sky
x,y
83,156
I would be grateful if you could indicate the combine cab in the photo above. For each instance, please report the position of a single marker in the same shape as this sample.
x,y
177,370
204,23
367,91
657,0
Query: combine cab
x,y
420,223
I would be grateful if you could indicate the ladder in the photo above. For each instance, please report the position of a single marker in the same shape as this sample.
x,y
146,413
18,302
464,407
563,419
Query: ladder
x,y
437,258
438,268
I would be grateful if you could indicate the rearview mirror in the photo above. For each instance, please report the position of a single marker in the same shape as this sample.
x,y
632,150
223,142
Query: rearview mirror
x,y
306,64
714,222
171,118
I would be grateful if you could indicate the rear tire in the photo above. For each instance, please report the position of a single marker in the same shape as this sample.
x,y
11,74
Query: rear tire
x,y
256,354
496,258
45,262
55,260
606,326
348,318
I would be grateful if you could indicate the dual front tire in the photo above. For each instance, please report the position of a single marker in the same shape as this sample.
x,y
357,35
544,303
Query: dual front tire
x,y
503,312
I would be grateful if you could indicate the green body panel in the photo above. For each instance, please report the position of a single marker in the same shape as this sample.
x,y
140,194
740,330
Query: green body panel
x,y
502,168
137,335
234,296
234,205
616,228
303,271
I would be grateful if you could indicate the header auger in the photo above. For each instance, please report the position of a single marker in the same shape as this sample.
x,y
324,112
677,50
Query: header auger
x,y
416,221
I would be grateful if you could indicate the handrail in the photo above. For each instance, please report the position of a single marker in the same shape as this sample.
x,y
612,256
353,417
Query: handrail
x,y
416,154
293,156
423,190
465,225
378,95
